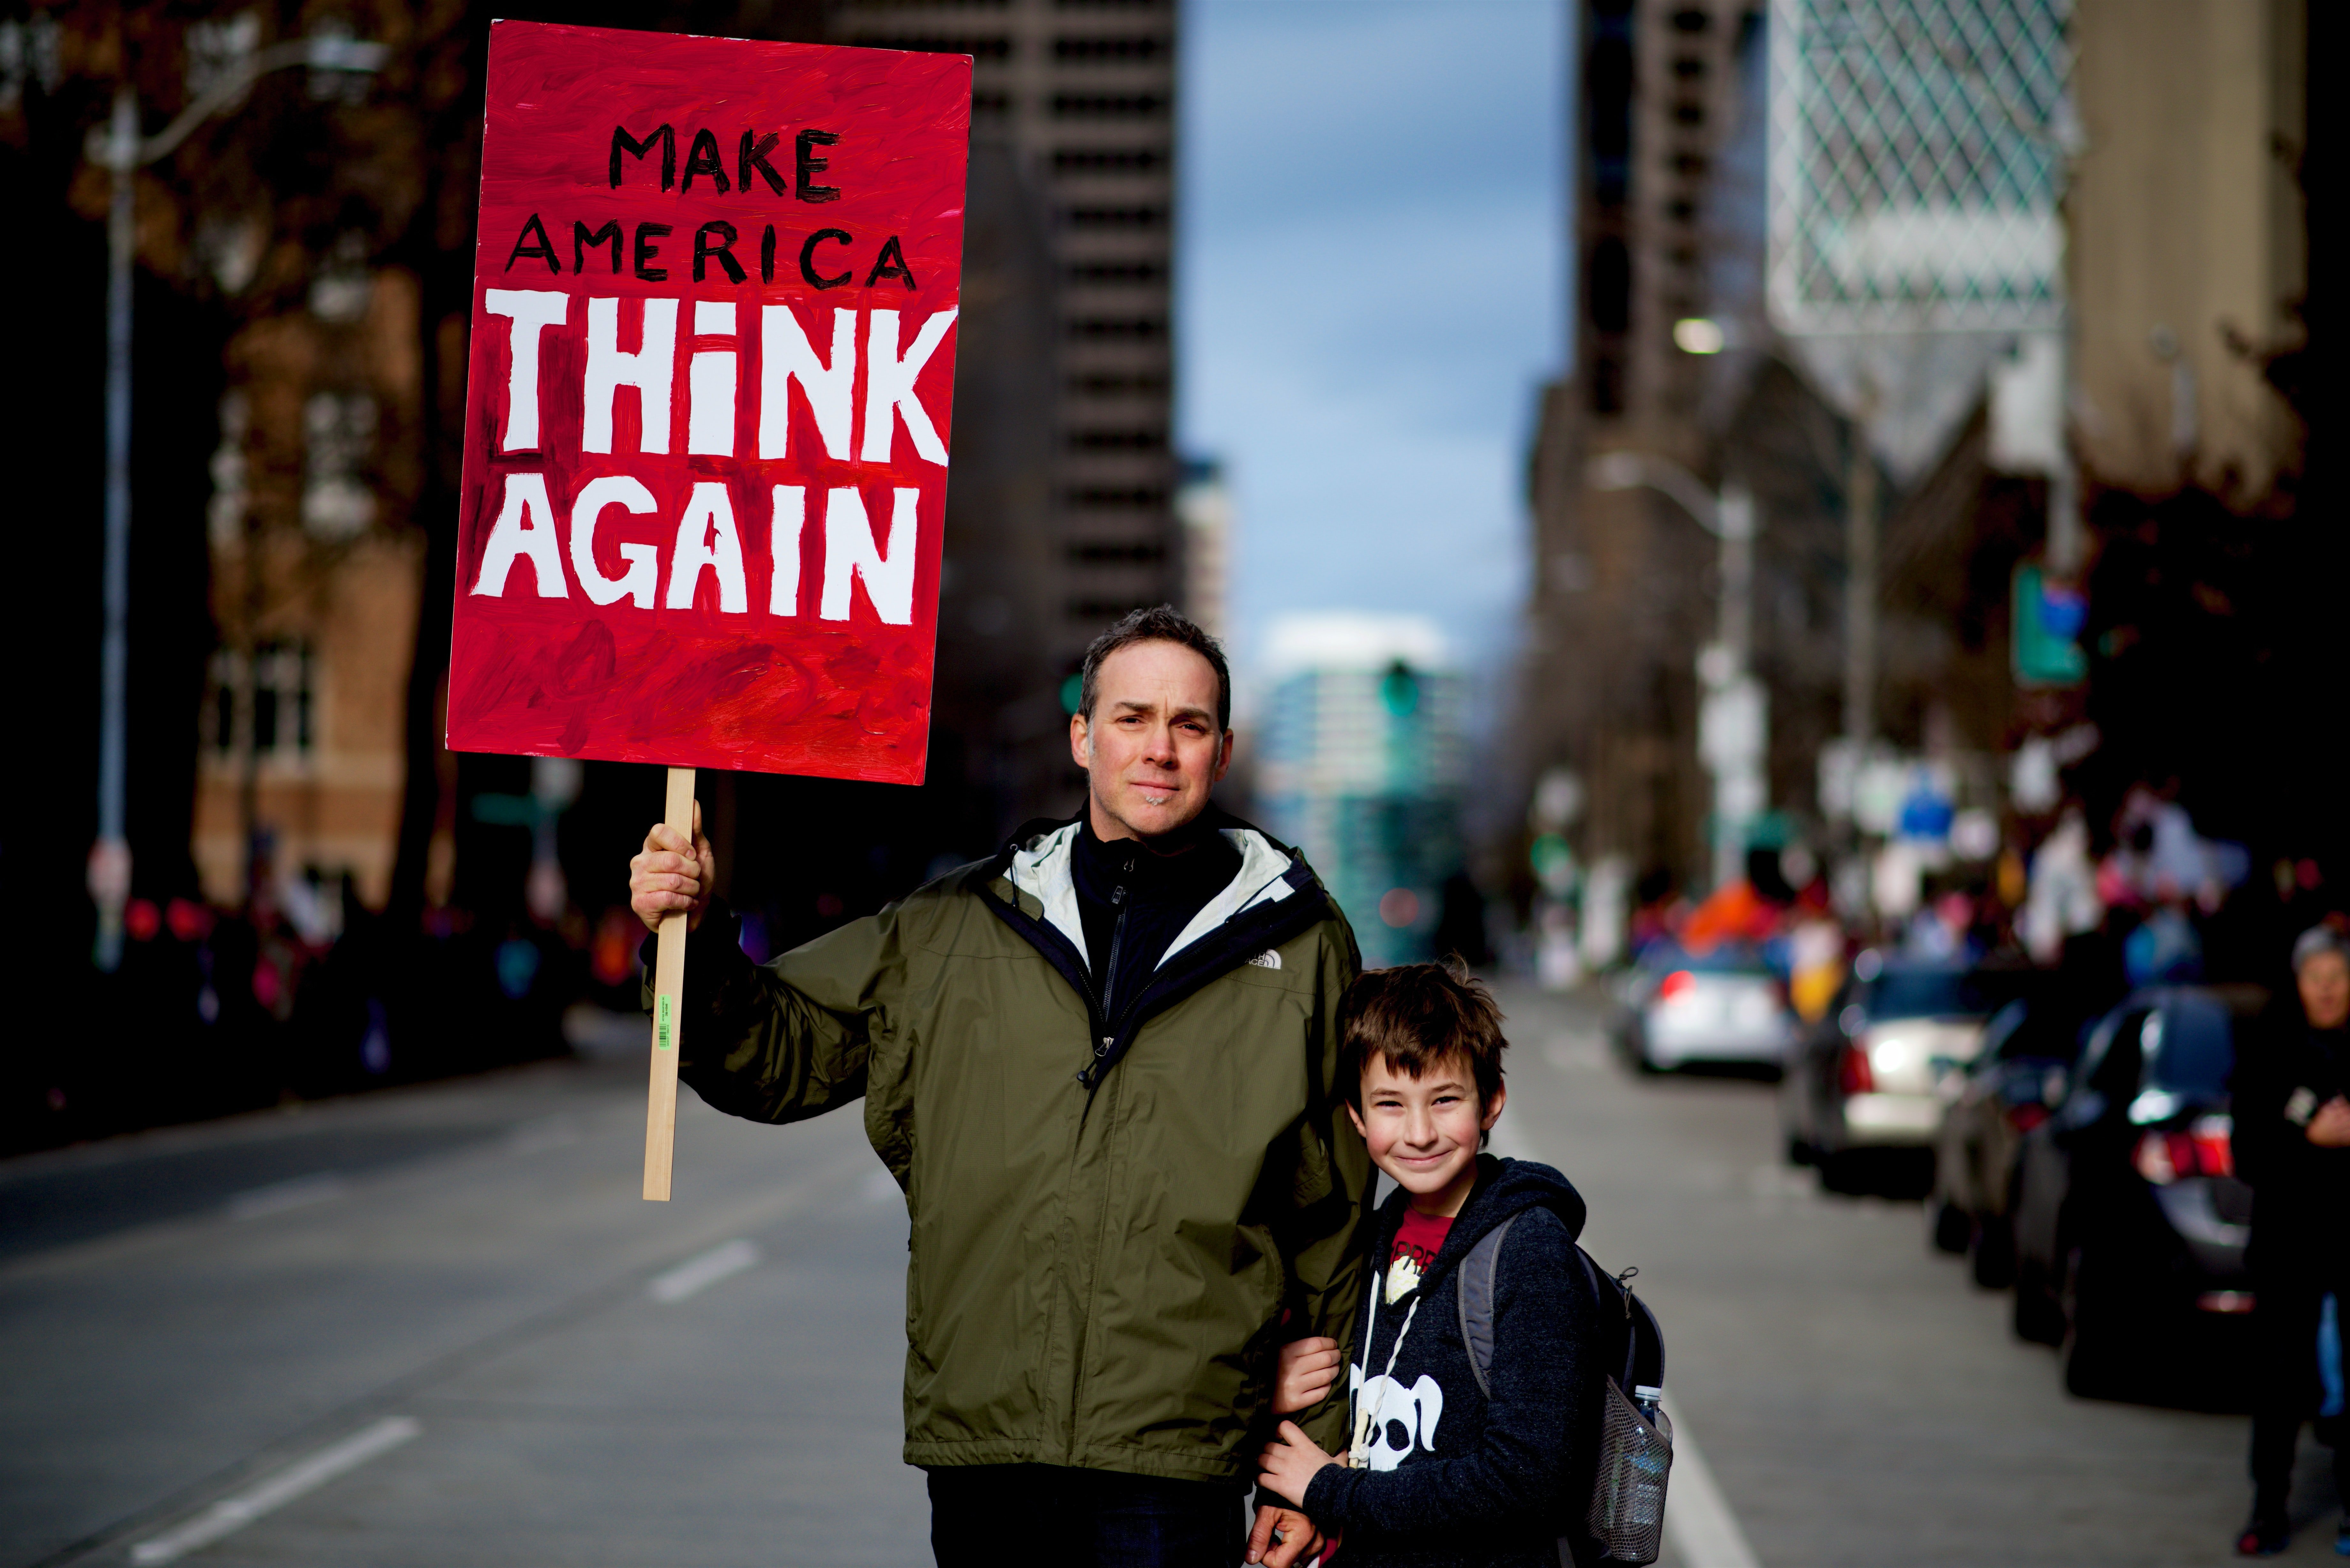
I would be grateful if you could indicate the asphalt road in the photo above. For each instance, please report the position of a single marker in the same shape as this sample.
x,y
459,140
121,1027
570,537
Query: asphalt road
x,y
438,1325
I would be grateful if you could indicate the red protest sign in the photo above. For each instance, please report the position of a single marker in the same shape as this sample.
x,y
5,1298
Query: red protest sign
x,y
708,408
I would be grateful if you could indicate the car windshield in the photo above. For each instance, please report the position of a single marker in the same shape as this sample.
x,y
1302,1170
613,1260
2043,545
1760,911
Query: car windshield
x,y
2190,1047
1907,992
1728,958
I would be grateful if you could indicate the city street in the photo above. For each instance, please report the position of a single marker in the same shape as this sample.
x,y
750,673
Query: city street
x,y
438,1326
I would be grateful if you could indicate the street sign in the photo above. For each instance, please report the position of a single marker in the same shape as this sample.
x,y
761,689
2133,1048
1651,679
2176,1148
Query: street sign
x,y
708,406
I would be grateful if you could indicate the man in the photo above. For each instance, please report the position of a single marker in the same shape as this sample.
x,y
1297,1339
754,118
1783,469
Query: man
x,y
2293,1145
1102,1065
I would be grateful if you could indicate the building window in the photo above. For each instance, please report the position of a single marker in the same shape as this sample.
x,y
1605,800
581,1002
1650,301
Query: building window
x,y
1118,440
1116,497
1108,159
1111,384
1109,106
1117,271
266,703
1116,553
1115,217
1123,48
980,48
336,504
1118,328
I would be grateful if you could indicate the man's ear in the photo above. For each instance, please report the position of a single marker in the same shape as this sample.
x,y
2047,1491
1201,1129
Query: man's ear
x,y
1223,759
1080,742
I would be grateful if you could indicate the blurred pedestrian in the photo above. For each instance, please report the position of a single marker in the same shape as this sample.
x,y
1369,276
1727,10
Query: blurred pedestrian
x,y
1103,1064
2292,1105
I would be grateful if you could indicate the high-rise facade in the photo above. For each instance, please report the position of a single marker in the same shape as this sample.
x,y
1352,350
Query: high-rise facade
x,y
1082,92
1623,584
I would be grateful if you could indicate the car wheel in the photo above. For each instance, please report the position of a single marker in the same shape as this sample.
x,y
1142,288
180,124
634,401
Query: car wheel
x,y
2101,1360
1992,1252
1840,1171
1949,1228
1798,1151
2039,1318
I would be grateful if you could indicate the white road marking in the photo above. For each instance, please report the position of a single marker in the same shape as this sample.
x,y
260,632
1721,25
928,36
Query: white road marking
x,y
233,1513
699,1273
279,1196
545,1133
1698,1520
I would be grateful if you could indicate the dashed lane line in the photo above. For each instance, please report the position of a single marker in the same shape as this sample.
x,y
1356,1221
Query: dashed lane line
x,y
697,1275
273,1492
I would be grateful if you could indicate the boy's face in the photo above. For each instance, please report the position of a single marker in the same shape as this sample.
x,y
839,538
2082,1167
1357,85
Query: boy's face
x,y
1424,1131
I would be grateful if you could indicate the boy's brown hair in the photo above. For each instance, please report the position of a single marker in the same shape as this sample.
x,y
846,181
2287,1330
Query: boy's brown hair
x,y
1415,1015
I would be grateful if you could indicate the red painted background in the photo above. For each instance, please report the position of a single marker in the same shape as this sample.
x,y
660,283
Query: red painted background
x,y
704,686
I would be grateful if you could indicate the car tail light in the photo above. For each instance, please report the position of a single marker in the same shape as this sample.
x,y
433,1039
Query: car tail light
x,y
2026,1116
2202,1149
1854,1076
1676,985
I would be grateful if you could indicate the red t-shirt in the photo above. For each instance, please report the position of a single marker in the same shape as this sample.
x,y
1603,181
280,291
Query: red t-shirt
x,y
1417,1240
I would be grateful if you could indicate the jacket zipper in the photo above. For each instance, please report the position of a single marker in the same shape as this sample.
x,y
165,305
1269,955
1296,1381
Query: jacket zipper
x,y
1106,990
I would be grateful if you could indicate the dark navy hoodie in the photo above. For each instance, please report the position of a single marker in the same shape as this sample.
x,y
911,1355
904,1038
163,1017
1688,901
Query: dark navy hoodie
x,y
1455,1477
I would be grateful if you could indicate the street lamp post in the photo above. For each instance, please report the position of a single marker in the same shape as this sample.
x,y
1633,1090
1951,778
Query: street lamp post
x,y
120,149
1733,724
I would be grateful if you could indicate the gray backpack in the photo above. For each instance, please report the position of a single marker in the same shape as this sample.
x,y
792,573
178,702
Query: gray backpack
x,y
1625,1521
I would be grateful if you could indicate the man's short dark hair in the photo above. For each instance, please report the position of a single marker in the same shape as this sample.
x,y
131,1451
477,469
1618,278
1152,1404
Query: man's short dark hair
x,y
1161,623
1417,1015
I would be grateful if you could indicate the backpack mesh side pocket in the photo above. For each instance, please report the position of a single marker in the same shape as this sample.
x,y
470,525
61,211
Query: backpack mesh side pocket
x,y
1628,1500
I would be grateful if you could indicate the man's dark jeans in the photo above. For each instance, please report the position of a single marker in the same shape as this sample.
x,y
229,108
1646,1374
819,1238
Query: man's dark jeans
x,y
1043,1516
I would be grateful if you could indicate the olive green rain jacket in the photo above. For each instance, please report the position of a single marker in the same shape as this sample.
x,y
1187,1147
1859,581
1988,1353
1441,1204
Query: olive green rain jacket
x,y
1109,1215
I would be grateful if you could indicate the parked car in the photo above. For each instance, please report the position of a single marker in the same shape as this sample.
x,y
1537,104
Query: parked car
x,y
2129,1222
1864,1080
2015,1082
1723,1006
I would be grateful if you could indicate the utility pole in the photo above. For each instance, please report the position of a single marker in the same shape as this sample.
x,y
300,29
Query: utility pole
x,y
1734,716
1860,531
122,152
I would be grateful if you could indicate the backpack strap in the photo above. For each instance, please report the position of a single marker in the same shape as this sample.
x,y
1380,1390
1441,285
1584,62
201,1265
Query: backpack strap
x,y
1474,1282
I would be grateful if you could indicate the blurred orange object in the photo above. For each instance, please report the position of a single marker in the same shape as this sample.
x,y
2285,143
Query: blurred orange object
x,y
1733,913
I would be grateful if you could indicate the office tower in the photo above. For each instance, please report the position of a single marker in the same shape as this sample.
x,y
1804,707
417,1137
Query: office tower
x,y
1082,92
1623,582
1361,764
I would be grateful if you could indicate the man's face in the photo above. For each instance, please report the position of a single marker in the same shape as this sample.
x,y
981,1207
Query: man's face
x,y
2324,983
1153,749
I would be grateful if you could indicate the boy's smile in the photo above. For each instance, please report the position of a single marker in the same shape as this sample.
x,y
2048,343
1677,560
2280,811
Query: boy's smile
x,y
1425,1131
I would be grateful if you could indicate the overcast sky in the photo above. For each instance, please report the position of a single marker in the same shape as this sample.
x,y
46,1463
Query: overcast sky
x,y
1370,296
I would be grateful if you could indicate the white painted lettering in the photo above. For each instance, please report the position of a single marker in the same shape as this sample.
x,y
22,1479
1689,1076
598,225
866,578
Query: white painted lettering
x,y
706,538
529,309
710,383
889,386
643,575
785,356
849,553
651,370
524,531
783,549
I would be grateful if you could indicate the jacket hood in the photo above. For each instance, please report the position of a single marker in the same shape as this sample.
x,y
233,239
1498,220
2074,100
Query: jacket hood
x,y
1505,1190
1274,896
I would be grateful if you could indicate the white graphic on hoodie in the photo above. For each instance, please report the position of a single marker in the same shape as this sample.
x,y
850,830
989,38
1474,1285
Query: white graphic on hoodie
x,y
1386,1403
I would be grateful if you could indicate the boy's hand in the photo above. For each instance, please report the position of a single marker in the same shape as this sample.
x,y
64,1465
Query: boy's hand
x,y
669,875
1300,1539
1304,1374
1290,1462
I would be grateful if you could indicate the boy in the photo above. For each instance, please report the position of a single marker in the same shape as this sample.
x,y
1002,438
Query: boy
x,y
1439,1472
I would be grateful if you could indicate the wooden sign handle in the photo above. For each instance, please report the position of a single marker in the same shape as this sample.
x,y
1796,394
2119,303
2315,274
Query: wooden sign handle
x,y
669,1010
